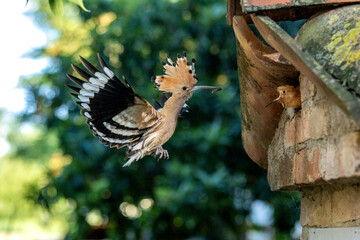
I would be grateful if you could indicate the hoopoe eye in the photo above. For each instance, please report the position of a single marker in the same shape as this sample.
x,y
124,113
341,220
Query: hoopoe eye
x,y
184,88
283,91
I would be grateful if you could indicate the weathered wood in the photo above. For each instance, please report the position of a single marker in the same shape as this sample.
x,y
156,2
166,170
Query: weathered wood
x,y
259,67
277,13
250,6
306,64
233,9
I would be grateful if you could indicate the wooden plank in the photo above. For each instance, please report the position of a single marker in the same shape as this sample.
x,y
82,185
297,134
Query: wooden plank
x,y
251,6
231,12
233,9
305,63
290,13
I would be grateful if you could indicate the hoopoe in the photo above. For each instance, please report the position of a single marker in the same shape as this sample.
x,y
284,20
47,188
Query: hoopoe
x,y
121,118
289,97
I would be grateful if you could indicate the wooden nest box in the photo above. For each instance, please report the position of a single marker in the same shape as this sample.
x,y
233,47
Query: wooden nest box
x,y
316,150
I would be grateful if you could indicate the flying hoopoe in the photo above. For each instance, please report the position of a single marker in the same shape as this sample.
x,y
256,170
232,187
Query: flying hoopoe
x,y
121,118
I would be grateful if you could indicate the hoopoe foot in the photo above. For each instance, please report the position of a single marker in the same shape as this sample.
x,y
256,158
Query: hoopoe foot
x,y
162,152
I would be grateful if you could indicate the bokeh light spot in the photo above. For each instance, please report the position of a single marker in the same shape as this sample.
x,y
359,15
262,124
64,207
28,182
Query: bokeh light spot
x,y
146,203
93,218
222,79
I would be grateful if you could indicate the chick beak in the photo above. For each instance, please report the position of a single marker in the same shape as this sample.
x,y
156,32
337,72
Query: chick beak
x,y
276,99
214,89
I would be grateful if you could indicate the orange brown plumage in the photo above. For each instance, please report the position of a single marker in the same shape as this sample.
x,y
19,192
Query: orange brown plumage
x,y
121,118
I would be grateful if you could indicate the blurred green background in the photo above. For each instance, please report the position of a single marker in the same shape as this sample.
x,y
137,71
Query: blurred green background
x,y
59,178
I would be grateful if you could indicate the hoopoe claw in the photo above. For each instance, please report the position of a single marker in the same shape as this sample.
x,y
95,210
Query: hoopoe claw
x,y
163,153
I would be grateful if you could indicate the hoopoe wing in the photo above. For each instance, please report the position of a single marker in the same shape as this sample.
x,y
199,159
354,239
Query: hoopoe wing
x,y
114,113
158,106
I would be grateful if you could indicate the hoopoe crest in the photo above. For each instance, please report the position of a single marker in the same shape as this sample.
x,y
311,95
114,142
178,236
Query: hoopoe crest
x,y
121,118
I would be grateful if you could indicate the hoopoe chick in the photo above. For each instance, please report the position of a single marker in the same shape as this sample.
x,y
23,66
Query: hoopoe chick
x,y
121,118
289,96
290,99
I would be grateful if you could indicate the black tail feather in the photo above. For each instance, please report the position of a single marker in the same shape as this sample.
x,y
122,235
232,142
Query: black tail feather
x,y
75,95
88,65
76,89
81,72
102,62
75,79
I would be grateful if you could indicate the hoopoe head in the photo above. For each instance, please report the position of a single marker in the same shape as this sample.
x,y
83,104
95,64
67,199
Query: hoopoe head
x,y
289,96
179,78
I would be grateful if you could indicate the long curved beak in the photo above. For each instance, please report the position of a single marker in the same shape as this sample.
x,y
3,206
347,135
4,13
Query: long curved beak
x,y
214,89
270,103
276,99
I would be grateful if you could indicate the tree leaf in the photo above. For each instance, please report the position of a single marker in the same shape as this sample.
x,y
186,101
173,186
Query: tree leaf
x,y
80,3
57,7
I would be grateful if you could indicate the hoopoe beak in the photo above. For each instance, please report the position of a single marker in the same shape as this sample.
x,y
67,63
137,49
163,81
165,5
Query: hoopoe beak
x,y
214,89
276,99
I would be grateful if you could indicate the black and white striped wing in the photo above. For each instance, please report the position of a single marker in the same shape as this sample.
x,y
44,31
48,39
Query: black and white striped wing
x,y
114,112
158,106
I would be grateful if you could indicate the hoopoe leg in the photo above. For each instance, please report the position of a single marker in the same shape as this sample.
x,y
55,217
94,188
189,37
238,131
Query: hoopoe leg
x,y
163,153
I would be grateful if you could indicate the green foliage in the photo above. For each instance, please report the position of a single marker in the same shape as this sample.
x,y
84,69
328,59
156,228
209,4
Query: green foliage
x,y
80,3
57,6
206,188
22,178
